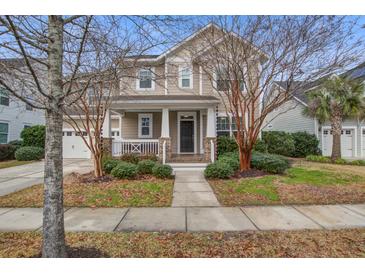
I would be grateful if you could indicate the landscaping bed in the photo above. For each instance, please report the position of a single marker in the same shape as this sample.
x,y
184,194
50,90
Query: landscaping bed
x,y
304,243
304,183
85,191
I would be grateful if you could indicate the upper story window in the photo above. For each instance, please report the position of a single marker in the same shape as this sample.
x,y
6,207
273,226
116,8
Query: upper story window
x,y
145,79
4,98
186,77
4,132
145,125
224,82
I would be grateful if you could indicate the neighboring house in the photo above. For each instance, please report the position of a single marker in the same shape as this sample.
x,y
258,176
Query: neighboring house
x,y
289,118
15,115
167,106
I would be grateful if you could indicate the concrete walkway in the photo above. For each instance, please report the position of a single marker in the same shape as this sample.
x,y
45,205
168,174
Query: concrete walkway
x,y
191,189
192,219
13,179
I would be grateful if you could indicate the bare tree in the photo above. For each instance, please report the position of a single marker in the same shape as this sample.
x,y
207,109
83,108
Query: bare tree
x,y
244,56
39,45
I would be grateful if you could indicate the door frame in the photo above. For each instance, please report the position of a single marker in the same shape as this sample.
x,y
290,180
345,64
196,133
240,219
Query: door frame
x,y
354,144
179,114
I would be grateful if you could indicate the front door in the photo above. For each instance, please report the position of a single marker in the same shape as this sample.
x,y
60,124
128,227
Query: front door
x,y
186,136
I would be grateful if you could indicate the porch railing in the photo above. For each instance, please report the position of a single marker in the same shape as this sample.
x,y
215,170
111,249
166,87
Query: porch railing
x,y
135,146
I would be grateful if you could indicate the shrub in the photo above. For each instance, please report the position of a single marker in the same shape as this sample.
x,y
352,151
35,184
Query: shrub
x,y
341,161
151,157
124,170
34,136
318,158
7,152
29,153
145,166
130,158
357,163
270,163
305,144
232,160
260,146
109,164
226,144
16,143
162,171
279,142
219,170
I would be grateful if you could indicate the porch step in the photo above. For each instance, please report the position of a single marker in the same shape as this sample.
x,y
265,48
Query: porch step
x,y
187,166
187,158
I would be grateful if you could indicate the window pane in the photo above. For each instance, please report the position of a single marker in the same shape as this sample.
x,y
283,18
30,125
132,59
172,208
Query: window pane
x,y
145,131
222,85
223,123
185,83
28,107
4,101
145,77
4,127
3,138
145,122
145,84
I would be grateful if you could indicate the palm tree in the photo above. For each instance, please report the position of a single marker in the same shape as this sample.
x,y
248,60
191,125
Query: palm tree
x,y
336,99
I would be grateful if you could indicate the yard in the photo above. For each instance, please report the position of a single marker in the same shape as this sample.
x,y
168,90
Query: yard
x,y
11,163
318,243
304,183
144,192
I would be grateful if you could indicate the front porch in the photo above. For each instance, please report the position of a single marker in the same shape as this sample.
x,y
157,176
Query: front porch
x,y
180,132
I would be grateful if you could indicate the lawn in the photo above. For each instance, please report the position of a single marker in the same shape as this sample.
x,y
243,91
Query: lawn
x,y
11,163
305,243
304,183
115,193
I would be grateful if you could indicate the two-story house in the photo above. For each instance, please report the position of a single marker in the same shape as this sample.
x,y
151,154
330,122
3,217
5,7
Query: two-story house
x,y
167,106
15,115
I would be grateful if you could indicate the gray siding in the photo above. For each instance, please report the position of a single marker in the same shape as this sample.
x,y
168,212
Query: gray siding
x,y
289,118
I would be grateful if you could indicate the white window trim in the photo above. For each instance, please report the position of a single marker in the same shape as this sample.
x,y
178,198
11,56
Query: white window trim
x,y
179,114
181,68
152,82
5,95
145,115
7,137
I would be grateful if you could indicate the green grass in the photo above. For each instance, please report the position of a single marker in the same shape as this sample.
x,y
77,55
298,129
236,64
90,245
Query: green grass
x,y
12,163
300,175
261,186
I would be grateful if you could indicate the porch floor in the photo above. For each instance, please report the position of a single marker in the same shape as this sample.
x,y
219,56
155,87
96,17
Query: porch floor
x,y
187,158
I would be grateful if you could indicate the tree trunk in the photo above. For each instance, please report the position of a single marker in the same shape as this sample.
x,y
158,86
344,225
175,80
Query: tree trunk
x,y
336,122
53,222
245,160
98,171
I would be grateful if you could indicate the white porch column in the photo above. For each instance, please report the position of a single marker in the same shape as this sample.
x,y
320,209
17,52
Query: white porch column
x,y
211,132
107,125
165,127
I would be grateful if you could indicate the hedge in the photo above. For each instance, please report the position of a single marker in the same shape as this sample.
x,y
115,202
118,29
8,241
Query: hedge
x,y
34,136
219,170
305,144
269,163
109,164
7,152
162,171
226,144
279,142
29,153
124,170
145,166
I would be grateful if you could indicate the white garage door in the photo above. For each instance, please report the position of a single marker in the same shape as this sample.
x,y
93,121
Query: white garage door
x,y
74,146
347,142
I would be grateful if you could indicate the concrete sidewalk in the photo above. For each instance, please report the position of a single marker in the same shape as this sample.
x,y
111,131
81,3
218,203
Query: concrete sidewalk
x,y
13,179
192,219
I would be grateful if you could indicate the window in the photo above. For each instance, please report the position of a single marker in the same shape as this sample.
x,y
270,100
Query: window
x,y
84,133
28,107
4,98
4,132
144,125
223,81
186,77
115,133
26,126
223,126
145,79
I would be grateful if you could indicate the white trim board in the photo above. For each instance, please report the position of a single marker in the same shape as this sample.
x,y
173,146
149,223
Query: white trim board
x,y
179,114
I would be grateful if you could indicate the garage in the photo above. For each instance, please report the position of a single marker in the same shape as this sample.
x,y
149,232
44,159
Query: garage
x,y
347,142
74,146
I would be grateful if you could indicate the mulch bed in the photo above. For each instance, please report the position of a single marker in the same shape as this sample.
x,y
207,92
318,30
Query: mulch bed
x,y
303,243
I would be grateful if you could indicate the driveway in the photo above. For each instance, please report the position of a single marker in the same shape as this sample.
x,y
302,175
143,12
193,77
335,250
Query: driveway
x,y
16,178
